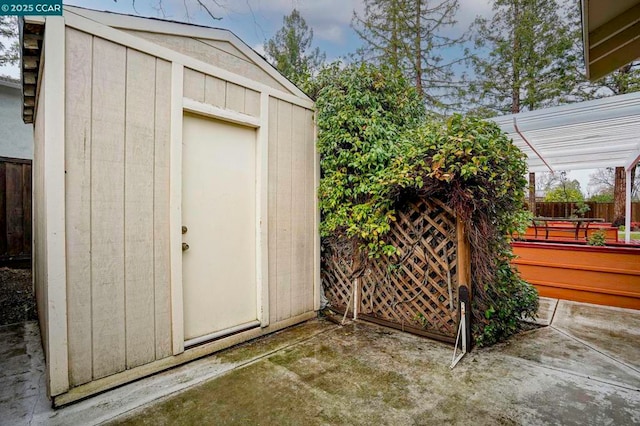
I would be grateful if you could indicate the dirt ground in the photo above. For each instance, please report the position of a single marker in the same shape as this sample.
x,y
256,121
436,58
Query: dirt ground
x,y
17,302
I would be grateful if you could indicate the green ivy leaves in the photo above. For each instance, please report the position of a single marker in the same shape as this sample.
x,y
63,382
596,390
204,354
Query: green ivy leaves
x,y
376,143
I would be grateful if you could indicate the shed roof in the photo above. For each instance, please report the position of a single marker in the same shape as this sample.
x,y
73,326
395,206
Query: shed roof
x,y
600,133
32,29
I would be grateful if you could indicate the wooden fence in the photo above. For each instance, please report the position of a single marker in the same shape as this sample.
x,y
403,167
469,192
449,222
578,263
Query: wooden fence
x,y
596,210
416,289
15,210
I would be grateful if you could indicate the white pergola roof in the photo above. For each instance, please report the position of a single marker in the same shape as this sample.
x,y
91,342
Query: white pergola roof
x,y
600,133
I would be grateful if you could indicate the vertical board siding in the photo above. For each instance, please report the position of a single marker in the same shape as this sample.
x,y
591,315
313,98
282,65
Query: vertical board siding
x,y
252,103
117,203
299,241
40,223
291,210
235,97
193,85
215,91
310,231
161,249
15,225
283,212
138,208
78,204
3,209
15,210
272,215
27,208
107,207
220,93
222,54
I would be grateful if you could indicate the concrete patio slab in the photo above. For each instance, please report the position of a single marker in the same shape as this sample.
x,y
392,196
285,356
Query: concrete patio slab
x,y
22,383
320,373
365,374
546,310
613,331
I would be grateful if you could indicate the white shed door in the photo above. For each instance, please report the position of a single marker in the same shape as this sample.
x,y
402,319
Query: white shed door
x,y
219,213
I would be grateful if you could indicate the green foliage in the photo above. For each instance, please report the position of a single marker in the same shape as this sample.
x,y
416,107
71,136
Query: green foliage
x,y
624,80
9,47
290,49
603,197
410,36
377,148
522,220
363,116
561,194
526,56
581,209
598,238
511,300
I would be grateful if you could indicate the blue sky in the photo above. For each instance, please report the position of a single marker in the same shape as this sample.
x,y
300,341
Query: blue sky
x,y
255,21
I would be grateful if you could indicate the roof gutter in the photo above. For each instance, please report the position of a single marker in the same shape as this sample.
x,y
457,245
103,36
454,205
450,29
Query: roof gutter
x,y
515,126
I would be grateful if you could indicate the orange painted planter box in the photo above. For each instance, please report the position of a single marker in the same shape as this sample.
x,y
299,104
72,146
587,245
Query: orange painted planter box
x,y
562,232
601,275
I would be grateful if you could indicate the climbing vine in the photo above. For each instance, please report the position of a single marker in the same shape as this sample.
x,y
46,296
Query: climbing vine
x,y
378,146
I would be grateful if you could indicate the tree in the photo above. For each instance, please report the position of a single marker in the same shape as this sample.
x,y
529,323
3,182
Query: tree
x,y
623,80
559,188
527,57
569,194
410,36
289,50
9,47
602,183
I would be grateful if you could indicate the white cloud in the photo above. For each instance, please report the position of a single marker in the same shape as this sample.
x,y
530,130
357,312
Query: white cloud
x,y
470,9
333,33
259,47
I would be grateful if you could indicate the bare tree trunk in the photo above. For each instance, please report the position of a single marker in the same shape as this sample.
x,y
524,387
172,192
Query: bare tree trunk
x,y
532,193
619,196
418,48
515,88
633,181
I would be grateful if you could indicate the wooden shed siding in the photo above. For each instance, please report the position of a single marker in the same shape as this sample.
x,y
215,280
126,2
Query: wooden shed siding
x,y
219,53
310,232
117,183
220,93
291,212
39,222
78,196
107,202
138,208
161,179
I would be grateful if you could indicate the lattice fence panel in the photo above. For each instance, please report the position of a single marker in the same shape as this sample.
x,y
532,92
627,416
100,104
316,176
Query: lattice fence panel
x,y
336,278
418,286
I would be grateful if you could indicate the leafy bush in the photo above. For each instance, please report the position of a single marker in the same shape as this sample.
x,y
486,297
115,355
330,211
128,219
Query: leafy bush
x,y
598,238
378,147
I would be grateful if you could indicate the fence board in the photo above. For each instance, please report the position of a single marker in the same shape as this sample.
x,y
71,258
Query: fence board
x,y
15,209
596,210
3,209
415,289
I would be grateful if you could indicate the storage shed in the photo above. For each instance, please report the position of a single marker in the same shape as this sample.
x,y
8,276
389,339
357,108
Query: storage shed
x,y
175,174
